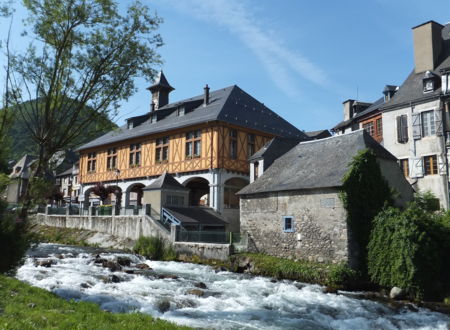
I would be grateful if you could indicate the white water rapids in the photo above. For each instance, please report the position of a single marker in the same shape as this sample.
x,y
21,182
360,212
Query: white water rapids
x,y
230,301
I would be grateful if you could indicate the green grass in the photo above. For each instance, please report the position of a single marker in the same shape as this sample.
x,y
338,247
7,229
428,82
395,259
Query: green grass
x,y
338,275
25,307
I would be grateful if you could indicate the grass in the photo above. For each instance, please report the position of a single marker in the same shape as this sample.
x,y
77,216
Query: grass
x,y
67,236
336,275
25,307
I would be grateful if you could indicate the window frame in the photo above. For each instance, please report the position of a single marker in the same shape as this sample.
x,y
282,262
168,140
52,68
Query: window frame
x,y
135,155
162,149
428,126
91,162
403,168
233,135
433,167
369,127
291,228
111,159
251,143
402,128
193,145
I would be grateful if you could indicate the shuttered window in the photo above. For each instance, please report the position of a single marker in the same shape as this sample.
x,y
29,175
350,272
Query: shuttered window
x,y
404,165
428,123
402,129
431,166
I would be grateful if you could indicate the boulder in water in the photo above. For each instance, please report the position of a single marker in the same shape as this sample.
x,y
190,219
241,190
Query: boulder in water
x,y
112,266
124,261
163,305
200,285
397,293
45,263
142,266
196,292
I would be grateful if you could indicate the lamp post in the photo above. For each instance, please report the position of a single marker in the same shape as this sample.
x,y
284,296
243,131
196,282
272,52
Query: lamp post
x,y
117,171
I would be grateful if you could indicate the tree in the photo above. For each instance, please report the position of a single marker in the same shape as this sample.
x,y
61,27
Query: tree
x,y
87,55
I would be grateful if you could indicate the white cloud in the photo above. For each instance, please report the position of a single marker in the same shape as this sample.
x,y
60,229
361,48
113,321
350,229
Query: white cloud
x,y
282,64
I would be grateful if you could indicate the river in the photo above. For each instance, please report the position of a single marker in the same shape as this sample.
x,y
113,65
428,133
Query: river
x,y
220,300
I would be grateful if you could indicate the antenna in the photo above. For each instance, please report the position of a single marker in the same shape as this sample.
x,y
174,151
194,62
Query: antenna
x,y
357,92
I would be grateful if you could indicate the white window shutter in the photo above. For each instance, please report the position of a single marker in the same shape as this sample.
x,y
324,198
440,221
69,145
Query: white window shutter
x,y
416,168
438,122
442,165
416,125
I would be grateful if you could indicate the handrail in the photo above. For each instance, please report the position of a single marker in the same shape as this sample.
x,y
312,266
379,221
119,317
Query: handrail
x,y
168,217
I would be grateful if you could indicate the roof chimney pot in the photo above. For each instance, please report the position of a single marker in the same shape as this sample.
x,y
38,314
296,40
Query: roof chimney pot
x,y
206,96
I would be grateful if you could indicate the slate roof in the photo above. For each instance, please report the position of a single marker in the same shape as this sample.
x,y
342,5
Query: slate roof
x,y
372,108
315,164
412,88
66,172
230,105
275,148
24,164
161,81
196,215
165,181
318,134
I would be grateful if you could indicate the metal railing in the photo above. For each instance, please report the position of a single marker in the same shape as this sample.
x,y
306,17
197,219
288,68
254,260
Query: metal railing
x,y
206,236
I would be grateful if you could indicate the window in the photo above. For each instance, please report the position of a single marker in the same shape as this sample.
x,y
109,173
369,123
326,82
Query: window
x,y
111,159
250,144
233,144
379,127
180,111
288,224
428,124
92,161
130,124
431,166
402,129
404,165
369,127
175,200
162,149
135,154
193,144
256,165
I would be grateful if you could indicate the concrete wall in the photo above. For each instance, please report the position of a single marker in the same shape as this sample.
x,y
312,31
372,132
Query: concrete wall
x,y
121,226
320,228
203,250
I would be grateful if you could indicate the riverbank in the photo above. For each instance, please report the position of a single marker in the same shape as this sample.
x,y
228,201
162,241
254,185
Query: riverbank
x,y
25,307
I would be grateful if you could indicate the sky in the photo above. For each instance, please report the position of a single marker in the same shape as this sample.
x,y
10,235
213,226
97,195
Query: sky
x,y
300,58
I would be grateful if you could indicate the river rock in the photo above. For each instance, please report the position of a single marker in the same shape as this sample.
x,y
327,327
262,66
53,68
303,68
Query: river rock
x,y
59,256
142,266
115,279
163,276
397,293
124,261
163,305
200,285
45,263
85,285
112,266
196,292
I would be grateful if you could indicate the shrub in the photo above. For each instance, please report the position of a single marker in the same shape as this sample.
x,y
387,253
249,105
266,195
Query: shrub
x,y
409,249
154,248
427,201
14,242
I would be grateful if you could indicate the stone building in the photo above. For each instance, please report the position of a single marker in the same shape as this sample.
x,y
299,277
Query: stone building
x,y
204,142
19,179
293,210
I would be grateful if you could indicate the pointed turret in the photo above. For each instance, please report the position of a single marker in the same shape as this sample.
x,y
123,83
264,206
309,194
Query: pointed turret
x,y
160,92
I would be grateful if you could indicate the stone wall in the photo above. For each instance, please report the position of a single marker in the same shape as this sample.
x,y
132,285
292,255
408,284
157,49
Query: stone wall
x,y
320,228
203,250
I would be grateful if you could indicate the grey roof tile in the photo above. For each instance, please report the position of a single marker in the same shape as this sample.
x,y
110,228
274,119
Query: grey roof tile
x,y
315,164
230,105
196,215
165,181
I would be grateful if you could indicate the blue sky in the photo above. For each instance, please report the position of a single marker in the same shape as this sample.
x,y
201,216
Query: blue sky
x,y
300,58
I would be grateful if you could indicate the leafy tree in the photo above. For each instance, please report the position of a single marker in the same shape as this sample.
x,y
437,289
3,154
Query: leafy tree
x,y
364,193
87,55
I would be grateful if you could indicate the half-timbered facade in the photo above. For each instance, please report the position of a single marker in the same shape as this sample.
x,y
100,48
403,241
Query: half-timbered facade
x,y
204,142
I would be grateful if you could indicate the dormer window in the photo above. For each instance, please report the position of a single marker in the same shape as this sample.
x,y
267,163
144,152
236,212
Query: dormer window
x,y
429,82
154,118
181,111
130,124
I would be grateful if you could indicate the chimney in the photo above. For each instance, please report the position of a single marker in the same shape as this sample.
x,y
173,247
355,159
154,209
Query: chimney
x,y
206,96
427,46
348,109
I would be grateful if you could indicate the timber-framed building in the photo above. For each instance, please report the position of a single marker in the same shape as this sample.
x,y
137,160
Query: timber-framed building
x,y
204,142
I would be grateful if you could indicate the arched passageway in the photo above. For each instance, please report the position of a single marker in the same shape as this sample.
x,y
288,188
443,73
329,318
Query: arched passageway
x,y
231,187
198,192
134,195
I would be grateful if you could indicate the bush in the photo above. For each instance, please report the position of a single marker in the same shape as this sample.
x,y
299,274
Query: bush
x,y
409,249
154,248
14,242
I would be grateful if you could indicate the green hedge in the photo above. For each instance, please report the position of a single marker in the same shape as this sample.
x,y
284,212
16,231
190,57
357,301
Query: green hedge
x,y
410,249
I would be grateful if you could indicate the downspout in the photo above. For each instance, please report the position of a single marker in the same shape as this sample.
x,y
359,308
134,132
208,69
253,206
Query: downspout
x,y
445,118
413,145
